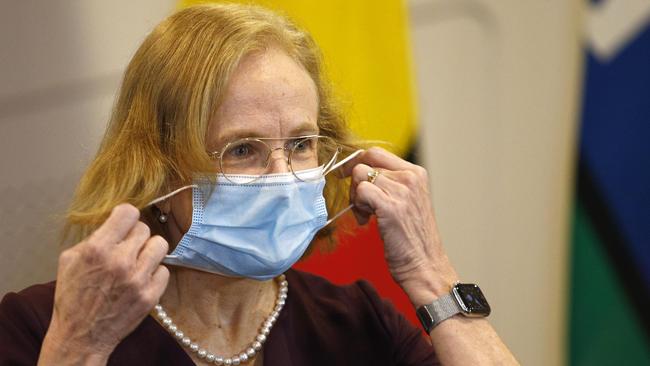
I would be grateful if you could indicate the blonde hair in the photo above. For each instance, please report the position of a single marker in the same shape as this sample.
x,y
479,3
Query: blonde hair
x,y
156,137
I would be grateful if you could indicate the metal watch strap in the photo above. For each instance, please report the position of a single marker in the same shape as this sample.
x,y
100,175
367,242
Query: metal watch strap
x,y
431,315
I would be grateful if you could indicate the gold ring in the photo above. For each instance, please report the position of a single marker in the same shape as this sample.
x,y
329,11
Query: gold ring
x,y
372,175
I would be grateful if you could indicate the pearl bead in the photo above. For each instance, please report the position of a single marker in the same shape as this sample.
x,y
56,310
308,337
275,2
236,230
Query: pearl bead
x,y
245,355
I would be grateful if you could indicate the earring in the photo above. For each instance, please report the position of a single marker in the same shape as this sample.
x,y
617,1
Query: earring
x,y
162,218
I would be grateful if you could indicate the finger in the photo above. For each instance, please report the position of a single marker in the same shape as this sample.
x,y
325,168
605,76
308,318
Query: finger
x,y
369,198
361,173
377,158
362,211
386,180
362,216
158,284
152,253
136,239
120,222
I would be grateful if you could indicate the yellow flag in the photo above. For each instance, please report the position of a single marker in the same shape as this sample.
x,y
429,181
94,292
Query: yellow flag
x,y
367,57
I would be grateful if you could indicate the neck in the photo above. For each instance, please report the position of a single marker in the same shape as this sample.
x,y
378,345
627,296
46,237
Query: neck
x,y
215,310
211,300
223,314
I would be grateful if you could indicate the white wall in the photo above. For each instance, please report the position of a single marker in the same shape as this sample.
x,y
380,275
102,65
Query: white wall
x,y
60,66
498,90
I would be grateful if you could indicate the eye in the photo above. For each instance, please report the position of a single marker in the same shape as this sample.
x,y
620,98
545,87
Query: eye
x,y
240,150
301,145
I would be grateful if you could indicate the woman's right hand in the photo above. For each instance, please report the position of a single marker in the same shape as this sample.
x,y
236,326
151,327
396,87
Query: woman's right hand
x,y
106,285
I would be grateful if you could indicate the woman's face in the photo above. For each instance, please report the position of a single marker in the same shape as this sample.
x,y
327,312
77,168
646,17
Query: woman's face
x,y
269,95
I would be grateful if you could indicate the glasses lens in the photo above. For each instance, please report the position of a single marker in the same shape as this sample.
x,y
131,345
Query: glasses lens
x,y
309,153
245,160
247,157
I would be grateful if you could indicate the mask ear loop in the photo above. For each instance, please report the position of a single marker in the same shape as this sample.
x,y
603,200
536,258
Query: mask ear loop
x,y
160,199
169,259
326,167
334,167
345,160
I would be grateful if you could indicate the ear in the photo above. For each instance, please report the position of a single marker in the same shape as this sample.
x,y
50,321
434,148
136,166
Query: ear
x,y
164,206
162,211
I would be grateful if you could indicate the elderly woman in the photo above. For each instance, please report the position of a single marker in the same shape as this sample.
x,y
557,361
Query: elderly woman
x,y
230,152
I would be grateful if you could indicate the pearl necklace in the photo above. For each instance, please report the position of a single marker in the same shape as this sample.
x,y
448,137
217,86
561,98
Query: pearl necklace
x,y
245,355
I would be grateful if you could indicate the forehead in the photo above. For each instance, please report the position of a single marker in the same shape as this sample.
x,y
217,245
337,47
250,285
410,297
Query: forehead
x,y
268,95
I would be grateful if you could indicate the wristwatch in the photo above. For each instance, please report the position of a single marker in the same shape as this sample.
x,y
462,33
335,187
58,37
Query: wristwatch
x,y
465,298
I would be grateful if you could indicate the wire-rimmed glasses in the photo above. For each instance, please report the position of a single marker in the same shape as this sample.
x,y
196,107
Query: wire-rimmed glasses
x,y
245,160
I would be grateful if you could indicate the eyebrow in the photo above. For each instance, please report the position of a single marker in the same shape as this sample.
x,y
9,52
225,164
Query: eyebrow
x,y
305,128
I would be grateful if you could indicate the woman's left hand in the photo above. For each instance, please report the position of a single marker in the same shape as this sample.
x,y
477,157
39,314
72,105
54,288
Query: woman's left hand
x,y
399,198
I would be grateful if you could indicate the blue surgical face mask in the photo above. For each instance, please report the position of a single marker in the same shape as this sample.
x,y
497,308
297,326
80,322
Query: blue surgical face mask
x,y
256,230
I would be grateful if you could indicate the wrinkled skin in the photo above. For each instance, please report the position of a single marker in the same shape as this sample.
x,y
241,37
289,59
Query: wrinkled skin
x,y
400,199
107,284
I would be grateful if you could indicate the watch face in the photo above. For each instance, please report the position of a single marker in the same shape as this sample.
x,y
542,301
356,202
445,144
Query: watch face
x,y
472,299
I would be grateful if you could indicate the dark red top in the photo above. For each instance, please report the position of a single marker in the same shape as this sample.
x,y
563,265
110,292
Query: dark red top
x,y
321,324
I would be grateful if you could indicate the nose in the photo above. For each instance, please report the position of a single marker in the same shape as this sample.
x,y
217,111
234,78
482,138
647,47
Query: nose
x,y
278,161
